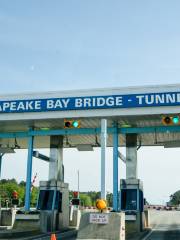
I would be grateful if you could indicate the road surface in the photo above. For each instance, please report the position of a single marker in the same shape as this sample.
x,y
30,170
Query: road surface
x,y
165,225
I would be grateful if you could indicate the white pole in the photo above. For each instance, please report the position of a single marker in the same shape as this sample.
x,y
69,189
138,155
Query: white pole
x,y
78,183
103,157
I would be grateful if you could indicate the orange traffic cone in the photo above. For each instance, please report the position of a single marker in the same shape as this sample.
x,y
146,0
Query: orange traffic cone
x,y
53,236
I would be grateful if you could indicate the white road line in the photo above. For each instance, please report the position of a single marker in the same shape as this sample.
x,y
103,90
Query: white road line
x,y
149,234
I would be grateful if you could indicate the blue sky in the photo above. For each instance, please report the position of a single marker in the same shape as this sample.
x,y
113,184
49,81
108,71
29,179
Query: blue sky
x,y
72,44
75,44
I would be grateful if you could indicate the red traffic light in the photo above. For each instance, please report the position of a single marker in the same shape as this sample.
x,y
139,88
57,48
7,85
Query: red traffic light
x,y
75,194
15,194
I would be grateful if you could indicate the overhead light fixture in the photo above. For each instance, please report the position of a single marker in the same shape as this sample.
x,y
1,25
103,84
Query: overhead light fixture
x,y
126,125
97,144
85,147
44,128
6,150
16,145
172,144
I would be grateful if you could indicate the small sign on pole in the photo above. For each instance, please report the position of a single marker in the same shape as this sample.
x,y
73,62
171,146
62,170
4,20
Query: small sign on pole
x,y
99,218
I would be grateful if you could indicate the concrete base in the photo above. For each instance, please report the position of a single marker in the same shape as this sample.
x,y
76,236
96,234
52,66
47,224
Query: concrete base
x,y
113,230
134,225
75,218
146,219
48,221
8,217
55,220
27,221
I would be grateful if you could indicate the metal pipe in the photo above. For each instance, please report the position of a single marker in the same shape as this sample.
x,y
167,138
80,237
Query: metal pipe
x,y
29,174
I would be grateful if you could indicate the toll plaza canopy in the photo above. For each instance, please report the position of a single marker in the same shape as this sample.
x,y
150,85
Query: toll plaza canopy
x,y
131,110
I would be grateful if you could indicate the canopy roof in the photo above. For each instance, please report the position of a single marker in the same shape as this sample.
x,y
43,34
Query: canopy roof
x,y
139,108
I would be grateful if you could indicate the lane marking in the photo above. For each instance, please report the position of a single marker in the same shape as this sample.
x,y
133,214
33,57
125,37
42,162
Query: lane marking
x,y
149,234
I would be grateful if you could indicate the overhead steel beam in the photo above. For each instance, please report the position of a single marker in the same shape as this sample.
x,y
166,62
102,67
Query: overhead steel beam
x,y
159,129
90,131
122,157
41,156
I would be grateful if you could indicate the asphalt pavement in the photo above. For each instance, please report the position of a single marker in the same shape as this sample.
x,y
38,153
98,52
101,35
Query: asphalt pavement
x,y
165,225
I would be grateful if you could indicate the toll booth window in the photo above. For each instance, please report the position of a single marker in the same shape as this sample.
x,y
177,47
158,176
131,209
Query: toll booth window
x,y
58,201
129,199
45,199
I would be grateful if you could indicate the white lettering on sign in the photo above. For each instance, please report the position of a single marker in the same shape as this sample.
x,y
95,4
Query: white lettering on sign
x,y
99,218
98,102
155,99
14,106
91,102
119,101
78,102
58,103
38,104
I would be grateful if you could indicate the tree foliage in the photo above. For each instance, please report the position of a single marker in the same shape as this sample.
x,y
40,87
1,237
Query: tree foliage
x,y
7,186
175,198
89,198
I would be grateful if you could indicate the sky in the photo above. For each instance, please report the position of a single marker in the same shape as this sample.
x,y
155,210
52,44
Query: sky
x,y
80,44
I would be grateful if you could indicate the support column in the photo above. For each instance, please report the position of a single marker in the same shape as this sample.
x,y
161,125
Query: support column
x,y
103,157
1,155
131,156
115,169
29,173
56,169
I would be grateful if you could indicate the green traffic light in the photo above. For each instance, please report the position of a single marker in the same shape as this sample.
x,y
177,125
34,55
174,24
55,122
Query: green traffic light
x,y
75,124
175,120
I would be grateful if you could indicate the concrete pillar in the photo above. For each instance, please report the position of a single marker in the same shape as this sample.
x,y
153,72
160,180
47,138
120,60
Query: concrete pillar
x,y
103,157
131,156
115,169
56,169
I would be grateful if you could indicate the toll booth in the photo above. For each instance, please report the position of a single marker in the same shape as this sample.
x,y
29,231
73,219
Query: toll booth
x,y
53,204
132,203
131,117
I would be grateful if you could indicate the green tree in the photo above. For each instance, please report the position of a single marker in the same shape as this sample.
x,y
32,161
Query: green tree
x,y
85,199
34,196
109,198
175,198
8,186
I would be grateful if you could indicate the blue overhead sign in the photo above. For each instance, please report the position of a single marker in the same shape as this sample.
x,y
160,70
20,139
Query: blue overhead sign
x,y
91,102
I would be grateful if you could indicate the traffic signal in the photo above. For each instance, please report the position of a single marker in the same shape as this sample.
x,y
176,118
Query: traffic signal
x,y
15,194
171,120
15,200
71,124
75,194
75,201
